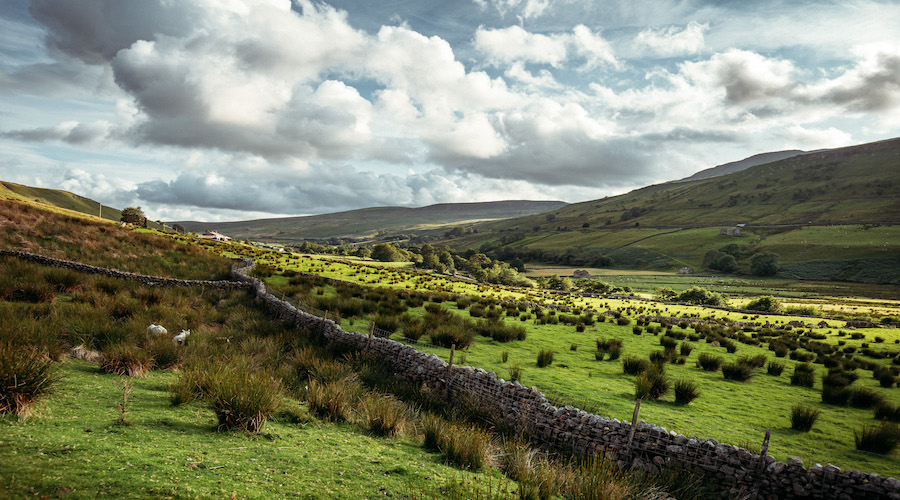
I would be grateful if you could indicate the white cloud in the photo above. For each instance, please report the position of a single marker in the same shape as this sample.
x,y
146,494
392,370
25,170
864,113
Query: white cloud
x,y
743,76
804,138
673,41
514,44
526,9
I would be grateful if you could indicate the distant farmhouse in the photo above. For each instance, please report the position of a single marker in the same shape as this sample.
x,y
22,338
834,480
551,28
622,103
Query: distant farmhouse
x,y
213,235
686,270
732,231
581,274
270,247
135,219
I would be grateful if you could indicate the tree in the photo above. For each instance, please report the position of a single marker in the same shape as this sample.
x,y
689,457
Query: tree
x,y
764,264
697,295
134,215
665,293
386,252
726,263
363,252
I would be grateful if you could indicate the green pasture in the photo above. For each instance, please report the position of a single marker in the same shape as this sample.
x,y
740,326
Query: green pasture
x,y
74,448
733,412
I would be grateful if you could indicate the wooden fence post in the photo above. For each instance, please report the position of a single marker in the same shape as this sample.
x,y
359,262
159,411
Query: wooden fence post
x,y
371,333
450,363
634,419
765,450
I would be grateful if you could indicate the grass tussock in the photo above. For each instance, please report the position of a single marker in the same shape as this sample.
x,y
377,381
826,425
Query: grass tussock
x,y
686,390
383,414
709,362
245,401
803,417
462,445
25,376
126,360
882,439
544,358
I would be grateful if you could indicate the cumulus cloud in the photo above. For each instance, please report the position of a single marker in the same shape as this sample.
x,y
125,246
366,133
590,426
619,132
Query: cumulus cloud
x,y
744,76
514,44
873,84
672,41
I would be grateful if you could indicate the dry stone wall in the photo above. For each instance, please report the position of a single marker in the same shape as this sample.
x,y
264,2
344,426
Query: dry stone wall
x,y
112,273
573,430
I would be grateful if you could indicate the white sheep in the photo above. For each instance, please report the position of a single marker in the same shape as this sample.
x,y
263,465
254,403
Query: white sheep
x,y
155,329
181,337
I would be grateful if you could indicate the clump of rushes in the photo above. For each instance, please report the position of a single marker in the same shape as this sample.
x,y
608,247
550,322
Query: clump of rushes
x,y
633,365
515,372
462,445
243,400
127,360
383,414
686,391
738,371
774,368
803,417
887,411
882,439
804,375
861,397
709,362
686,349
653,383
334,401
544,358
25,376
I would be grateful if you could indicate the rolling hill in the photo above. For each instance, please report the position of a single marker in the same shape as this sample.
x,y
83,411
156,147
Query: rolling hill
x,y
836,208
372,222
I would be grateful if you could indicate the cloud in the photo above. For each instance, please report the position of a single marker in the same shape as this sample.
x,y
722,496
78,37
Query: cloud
x,y
514,44
672,41
873,84
71,132
526,9
744,76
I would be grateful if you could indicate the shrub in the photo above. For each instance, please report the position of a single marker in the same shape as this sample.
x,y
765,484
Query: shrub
x,y
774,368
244,400
382,414
803,418
544,358
126,360
739,371
861,397
709,362
25,376
633,365
685,391
623,321
766,303
881,439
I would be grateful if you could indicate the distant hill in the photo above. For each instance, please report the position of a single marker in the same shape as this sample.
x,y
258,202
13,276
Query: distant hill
x,y
838,208
378,222
737,166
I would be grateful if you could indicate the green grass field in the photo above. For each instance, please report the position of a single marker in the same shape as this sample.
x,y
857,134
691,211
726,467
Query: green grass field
x,y
733,412
74,448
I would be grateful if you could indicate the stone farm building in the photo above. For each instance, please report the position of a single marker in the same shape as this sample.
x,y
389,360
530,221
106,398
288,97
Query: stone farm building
x,y
213,235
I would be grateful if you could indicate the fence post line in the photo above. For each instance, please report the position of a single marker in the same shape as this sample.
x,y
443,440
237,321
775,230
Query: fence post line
x,y
634,419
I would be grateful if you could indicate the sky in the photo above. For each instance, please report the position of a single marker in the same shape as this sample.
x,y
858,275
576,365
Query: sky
x,y
221,110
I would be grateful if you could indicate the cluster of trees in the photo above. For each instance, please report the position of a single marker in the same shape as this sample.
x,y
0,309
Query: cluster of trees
x,y
726,259
693,295
441,259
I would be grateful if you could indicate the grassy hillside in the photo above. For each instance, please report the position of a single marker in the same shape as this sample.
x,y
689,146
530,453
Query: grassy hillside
x,y
51,199
372,222
835,207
